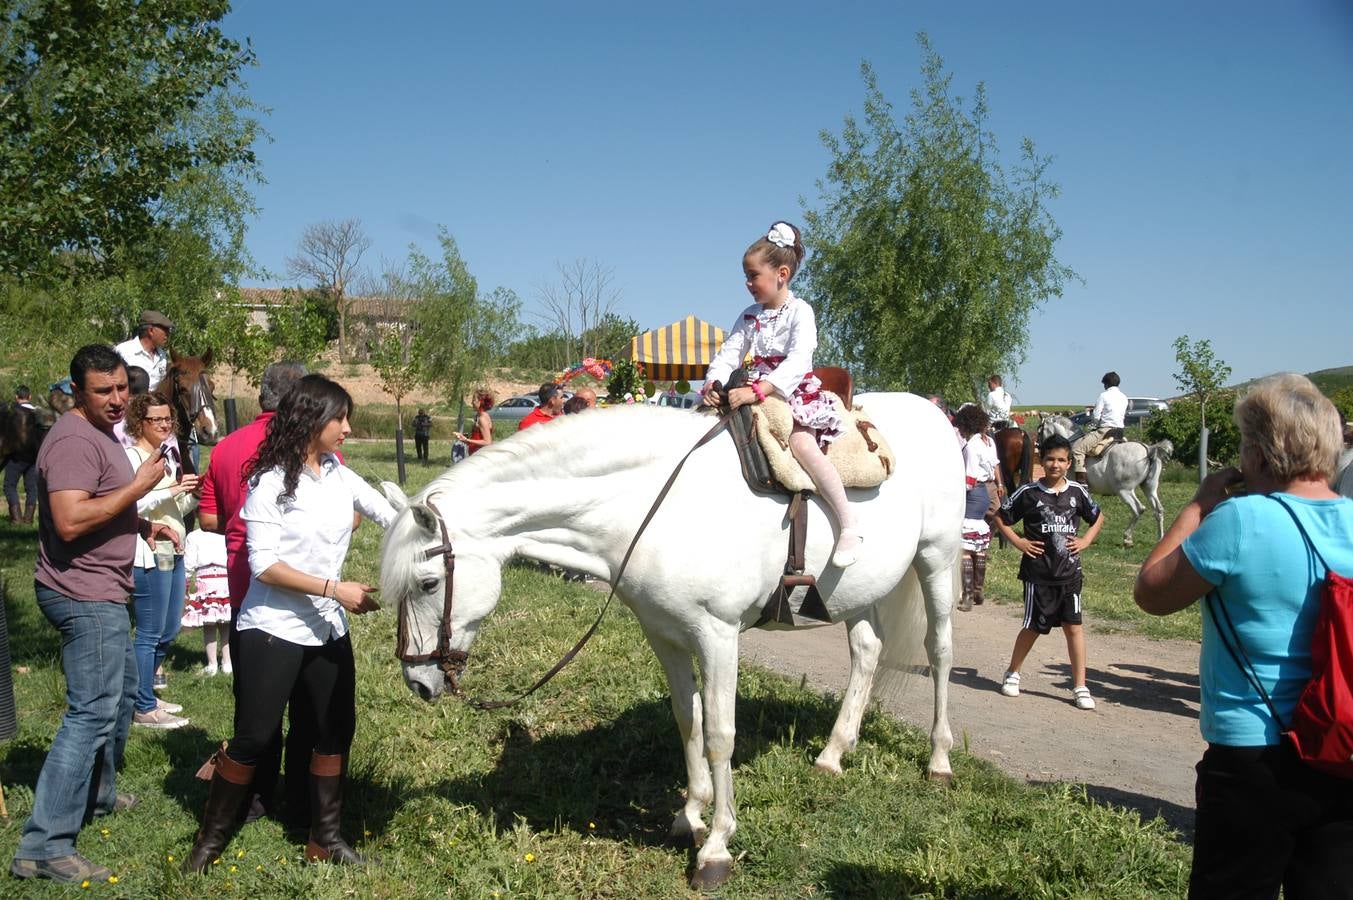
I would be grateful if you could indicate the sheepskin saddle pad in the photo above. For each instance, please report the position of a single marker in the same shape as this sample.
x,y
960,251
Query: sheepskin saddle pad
x,y
860,454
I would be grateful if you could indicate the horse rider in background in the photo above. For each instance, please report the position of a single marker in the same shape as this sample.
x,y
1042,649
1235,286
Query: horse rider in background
x,y
1108,414
997,404
147,347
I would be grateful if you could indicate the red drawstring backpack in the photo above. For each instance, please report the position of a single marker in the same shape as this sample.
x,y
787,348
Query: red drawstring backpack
x,y
1321,730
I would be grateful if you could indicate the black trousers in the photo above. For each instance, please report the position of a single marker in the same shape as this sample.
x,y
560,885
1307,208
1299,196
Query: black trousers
x,y
269,670
420,446
300,744
1267,820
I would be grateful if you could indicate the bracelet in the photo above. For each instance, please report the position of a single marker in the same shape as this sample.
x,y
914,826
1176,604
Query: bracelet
x,y
324,592
756,389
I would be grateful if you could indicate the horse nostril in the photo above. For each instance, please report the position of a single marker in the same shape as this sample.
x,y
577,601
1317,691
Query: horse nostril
x,y
422,690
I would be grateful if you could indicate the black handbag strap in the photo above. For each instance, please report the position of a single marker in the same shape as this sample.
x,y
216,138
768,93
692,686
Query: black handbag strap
x,y
1238,654
1238,651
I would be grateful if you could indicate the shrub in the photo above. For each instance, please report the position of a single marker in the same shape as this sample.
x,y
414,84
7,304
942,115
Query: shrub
x,y
1343,401
1181,424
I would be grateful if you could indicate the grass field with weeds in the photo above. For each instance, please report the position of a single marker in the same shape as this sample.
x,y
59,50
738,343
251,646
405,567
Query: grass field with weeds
x,y
571,793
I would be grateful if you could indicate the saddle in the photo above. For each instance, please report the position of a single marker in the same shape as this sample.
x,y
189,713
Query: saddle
x,y
761,436
1115,436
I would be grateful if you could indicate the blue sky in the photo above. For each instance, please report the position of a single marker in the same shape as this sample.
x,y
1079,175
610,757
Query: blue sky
x,y
1203,151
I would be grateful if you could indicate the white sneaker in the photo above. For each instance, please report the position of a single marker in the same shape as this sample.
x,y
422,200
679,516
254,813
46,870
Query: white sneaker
x,y
171,708
226,668
209,669
1010,684
1082,698
158,718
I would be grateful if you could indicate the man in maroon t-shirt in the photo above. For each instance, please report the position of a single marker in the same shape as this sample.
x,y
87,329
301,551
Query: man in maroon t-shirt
x,y
87,534
223,494
551,404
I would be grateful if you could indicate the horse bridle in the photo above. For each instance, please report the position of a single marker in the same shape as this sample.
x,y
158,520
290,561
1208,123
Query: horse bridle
x,y
451,662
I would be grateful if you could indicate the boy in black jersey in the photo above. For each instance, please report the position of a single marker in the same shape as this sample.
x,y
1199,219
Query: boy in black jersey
x,y
1051,567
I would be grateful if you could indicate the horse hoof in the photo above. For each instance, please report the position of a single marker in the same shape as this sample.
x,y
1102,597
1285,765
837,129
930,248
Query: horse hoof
x,y
944,778
684,838
711,875
827,767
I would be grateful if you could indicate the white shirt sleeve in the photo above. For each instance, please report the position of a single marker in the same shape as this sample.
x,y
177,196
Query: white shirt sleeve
x,y
263,523
798,361
733,350
366,499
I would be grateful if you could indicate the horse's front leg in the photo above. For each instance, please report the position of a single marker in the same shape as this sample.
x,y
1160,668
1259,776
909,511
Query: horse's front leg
x,y
937,575
862,636
680,669
719,687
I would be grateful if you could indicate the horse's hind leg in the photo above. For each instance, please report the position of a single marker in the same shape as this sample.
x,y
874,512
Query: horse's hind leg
x,y
862,634
680,669
1129,496
936,567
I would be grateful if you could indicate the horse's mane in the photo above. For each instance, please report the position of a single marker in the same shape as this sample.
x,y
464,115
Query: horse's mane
x,y
597,442
591,444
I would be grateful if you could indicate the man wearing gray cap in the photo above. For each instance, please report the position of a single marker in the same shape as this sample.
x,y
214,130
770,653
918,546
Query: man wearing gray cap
x,y
147,348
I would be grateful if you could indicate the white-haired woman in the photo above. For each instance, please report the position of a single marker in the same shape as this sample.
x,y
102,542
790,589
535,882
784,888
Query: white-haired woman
x,y
1265,820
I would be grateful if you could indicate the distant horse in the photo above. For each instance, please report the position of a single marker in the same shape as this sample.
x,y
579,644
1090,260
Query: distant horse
x,y
1015,451
573,494
193,400
1120,470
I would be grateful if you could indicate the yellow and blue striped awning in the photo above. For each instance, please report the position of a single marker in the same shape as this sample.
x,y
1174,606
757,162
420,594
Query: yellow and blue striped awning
x,y
682,350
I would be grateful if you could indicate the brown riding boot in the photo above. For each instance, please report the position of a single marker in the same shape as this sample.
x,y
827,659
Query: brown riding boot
x,y
28,512
965,602
225,805
979,577
326,810
14,515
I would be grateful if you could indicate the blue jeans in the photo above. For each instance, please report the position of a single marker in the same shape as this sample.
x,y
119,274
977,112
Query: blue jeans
x,y
158,608
78,776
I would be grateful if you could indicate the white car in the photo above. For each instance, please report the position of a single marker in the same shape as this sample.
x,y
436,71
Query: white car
x,y
1139,408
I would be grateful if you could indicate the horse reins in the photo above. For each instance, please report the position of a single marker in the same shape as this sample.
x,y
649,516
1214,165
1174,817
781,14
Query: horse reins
x,y
452,662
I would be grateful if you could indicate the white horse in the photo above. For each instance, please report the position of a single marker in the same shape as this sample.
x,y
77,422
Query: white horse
x,y
1120,470
573,493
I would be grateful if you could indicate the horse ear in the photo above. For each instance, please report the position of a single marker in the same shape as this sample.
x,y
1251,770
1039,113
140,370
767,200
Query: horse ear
x,y
173,355
206,358
394,494
426,519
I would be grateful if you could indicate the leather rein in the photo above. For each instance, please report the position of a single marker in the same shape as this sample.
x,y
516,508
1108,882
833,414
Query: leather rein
x,y
452,662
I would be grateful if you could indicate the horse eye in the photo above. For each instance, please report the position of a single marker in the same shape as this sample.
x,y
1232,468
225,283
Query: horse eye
x,y
428,585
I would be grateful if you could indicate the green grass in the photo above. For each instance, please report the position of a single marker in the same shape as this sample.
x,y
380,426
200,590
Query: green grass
x,y
571,794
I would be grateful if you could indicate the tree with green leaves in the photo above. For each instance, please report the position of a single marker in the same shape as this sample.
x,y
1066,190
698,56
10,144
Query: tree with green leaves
x,y
94,99
395,364
458,334
927,257
1201,375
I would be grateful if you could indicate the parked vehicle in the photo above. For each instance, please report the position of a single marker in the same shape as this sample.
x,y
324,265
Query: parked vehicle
x,y
514,409
1139,408
676,401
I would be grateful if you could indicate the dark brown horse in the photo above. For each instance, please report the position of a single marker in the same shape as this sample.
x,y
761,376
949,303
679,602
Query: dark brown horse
x,y
1015,450
191,396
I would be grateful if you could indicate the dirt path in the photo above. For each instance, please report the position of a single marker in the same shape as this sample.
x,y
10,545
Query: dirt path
x,y
1136,749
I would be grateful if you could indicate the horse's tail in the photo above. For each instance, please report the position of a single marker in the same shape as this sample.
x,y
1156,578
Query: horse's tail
x,y
1026,460
901,618
1157,455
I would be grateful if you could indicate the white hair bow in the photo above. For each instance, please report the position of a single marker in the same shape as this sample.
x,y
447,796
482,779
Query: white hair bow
x,y
781,235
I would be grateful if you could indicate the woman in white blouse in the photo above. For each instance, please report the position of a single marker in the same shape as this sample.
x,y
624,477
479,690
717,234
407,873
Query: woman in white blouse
x,y
293,626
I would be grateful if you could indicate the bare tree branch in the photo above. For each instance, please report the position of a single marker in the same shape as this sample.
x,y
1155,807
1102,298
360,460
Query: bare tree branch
x,y
576,304
329,254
